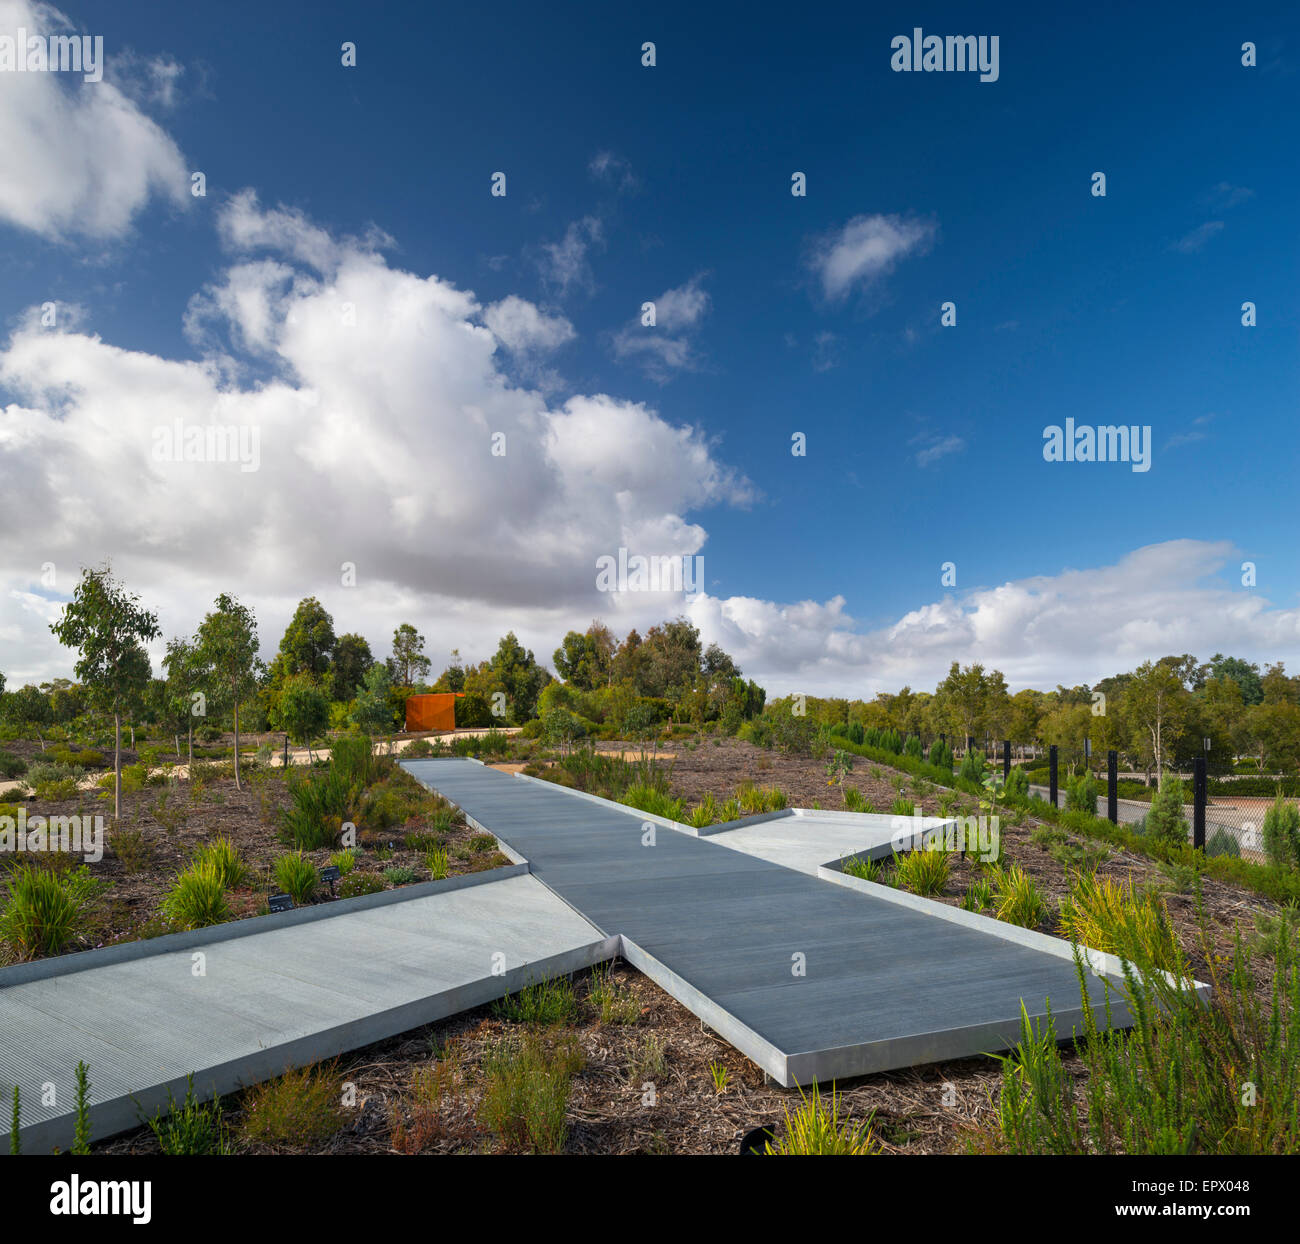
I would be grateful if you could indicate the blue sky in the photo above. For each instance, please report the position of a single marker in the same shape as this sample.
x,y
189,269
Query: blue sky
x,y
672,183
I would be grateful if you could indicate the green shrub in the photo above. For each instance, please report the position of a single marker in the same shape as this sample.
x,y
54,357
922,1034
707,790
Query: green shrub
x,y
301,1109
197,898
1017,784
11,765
400,874
1081,794
972,767
1222,842
296,875
354,885
132,848
1281,833
704,814
861,867
941,757
979,895
903,807
322,801
1165,821
192,1128
526,1096
353,759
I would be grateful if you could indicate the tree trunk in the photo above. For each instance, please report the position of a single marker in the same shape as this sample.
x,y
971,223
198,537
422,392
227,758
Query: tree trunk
x,y
191,745
178,747
117,766
237,786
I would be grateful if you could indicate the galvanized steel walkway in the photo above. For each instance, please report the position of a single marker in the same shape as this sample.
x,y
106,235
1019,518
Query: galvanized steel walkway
x,y
811,980
242,1002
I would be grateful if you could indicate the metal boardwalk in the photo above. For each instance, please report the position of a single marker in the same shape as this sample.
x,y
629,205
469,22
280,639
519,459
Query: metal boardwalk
x,y
811,980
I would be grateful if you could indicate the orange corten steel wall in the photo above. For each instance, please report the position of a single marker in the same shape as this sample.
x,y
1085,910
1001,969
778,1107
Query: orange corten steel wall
x,y
431,712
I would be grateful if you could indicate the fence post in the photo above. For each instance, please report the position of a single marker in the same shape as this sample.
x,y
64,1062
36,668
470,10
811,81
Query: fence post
x,y
970,744
1006,759
1112,787
1051,776
286,752
1198,803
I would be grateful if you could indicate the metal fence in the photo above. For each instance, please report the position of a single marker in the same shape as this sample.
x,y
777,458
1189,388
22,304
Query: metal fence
x,y
1219,824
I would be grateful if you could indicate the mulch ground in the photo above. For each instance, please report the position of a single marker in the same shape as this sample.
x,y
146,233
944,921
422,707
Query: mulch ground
x,y
161,827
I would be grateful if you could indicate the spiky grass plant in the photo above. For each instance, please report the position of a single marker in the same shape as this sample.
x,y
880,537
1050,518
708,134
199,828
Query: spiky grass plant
x,y
861,867
816,1128
197,898
979,896
614,1001
345,861
42,910
923,872
1134,925
1017,899
705,813
653,800
550,1001
296,875
224,857
856,801
438,863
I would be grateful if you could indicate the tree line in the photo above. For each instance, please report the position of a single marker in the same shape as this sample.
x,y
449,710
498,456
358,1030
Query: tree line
x,y
1157,716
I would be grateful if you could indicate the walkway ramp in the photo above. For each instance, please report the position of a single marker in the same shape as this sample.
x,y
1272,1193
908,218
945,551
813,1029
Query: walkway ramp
x,y
812,981
242,1002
